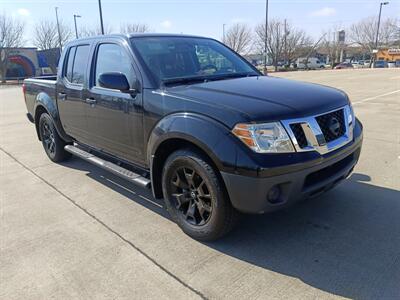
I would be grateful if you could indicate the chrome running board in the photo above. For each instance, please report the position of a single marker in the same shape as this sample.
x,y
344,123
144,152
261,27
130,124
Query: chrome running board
x,y
109,166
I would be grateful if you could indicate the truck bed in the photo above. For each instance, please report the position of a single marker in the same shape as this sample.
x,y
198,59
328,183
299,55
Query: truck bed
x,y
43,85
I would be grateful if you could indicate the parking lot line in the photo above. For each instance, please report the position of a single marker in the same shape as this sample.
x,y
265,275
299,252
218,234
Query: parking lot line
x,y
376,97
342,244
106,226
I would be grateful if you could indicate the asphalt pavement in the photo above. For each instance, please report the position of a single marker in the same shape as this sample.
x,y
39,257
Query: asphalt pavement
x,y
73,231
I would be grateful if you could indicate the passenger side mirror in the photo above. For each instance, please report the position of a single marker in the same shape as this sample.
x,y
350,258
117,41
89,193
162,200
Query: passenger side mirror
x,y
135,88
118,81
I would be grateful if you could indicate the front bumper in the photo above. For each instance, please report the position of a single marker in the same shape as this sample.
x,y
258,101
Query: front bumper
x,y
249,194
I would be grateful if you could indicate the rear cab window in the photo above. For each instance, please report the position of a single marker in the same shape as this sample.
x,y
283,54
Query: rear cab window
x,y
70,62
76,64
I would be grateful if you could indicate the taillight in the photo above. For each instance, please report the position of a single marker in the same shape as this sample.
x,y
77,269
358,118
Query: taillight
x,y
24,91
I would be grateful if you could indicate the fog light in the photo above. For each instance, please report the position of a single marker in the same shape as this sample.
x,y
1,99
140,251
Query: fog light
x,y
274,194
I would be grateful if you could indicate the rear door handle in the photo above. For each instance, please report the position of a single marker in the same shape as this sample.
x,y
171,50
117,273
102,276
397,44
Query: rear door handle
x,y
91,101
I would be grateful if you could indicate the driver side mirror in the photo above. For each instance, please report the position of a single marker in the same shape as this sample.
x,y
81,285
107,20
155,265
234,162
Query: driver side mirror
x,y
118,81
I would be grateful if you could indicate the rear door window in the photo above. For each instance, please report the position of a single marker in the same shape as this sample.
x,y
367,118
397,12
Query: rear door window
x,y
70,63
80,64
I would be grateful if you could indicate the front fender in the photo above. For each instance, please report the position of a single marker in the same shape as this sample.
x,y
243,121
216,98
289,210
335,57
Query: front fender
x,y
212,137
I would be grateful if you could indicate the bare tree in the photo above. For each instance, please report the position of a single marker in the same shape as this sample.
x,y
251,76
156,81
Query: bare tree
x,y
46,34
389,31
363,33
285,42
296,44
134,27
239,38
93,31
331,46
312,50
275,40
11,36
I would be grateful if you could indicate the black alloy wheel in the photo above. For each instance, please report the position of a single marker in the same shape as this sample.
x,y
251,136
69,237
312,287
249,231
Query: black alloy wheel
x,y
48,138
191,196
53,144
195,196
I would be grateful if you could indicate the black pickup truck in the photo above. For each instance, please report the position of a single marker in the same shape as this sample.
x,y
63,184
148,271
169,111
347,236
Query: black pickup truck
x,y
191,119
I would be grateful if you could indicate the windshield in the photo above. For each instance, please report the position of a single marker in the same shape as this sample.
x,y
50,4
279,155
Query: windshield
x,y
182,59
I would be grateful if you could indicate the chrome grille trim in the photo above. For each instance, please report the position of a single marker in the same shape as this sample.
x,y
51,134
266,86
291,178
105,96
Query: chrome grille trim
x,y
315,138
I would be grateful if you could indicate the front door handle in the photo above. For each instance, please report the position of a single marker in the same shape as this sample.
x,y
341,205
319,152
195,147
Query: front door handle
x,y
62,96
91,100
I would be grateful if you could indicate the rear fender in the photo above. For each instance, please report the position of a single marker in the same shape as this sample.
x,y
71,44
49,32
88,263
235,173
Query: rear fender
x,y
44,101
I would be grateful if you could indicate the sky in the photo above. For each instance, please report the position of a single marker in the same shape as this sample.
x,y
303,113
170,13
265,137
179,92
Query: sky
x,y
200,17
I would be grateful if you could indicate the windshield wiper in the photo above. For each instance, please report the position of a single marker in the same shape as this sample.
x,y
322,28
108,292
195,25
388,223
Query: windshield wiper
x,y
231,75
193,79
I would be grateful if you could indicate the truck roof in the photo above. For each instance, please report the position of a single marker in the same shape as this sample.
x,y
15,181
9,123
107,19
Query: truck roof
x,y
133,35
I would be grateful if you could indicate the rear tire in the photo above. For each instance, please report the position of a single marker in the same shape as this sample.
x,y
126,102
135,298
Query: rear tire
x,y
53,144
195,197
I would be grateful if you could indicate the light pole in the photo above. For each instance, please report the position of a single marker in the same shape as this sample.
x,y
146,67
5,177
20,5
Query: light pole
x,y
223,33
101,18
58,29
285,41
266,36
379,23
76,27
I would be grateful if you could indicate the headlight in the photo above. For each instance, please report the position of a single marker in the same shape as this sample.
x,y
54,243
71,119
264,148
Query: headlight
x,y
264,138
350,116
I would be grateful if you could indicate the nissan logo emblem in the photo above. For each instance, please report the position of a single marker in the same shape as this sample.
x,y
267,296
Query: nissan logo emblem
x,y
334,126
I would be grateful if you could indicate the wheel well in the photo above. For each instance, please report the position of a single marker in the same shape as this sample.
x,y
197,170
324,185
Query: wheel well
x,y
38,112
163,151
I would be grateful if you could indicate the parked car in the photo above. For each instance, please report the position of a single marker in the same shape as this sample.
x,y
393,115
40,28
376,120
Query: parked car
x,y
344,65
362,64
391,64
366,63
312,63
397,63
357,64
195,122
380,64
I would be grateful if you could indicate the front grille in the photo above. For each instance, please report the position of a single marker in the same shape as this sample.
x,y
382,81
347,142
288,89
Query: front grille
x,y
299,135
325,121
322,133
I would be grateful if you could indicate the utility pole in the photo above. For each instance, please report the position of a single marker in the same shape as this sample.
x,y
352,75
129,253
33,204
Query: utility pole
x,y
377,30
101,18
58,29
266,37
379,23
76,27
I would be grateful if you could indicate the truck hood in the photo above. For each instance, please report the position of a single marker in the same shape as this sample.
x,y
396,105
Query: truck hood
x,y
264,98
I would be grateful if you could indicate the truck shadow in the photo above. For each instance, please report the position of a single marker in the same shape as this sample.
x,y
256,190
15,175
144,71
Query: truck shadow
x,y
346,242
135,193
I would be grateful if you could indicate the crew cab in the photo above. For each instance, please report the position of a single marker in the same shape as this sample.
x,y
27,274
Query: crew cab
x,y
194,121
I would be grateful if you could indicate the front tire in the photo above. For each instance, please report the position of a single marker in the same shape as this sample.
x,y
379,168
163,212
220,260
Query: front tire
x,y
53,144
195,197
